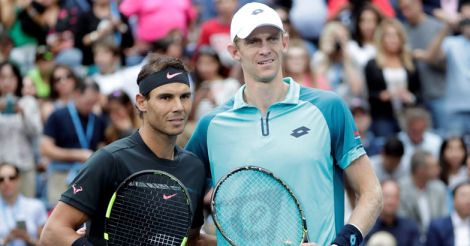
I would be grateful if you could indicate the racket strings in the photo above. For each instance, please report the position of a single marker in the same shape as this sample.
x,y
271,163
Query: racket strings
x,y
147,214
253,208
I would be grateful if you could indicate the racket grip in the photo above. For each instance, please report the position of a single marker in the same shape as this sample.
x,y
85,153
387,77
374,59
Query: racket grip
x,y
82,241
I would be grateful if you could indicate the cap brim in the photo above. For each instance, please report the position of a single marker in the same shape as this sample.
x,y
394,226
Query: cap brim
x,y
247,31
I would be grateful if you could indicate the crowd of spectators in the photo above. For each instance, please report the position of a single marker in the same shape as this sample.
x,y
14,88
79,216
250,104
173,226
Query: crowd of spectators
x,y
68,71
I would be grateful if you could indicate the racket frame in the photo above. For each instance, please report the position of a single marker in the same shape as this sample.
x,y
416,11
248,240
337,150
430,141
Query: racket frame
x,y
259,169
129,179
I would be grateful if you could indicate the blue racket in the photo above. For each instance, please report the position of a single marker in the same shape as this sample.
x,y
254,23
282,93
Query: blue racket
x,y
251,206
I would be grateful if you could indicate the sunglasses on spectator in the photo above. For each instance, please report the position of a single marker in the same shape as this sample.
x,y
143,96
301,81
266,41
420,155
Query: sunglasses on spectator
x,y
10,178
59,79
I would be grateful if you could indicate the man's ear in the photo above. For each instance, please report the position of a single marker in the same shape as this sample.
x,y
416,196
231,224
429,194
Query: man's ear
x,y
233,50
141,102
285,42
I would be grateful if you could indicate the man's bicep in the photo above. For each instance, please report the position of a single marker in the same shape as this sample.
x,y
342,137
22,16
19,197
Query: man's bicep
x,y
360,174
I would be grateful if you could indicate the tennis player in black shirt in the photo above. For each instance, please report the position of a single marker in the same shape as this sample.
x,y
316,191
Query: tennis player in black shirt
x,y
164,102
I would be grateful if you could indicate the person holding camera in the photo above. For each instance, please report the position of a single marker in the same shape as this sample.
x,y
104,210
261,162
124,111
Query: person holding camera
x,y
22,218
453,49
20,122
333,65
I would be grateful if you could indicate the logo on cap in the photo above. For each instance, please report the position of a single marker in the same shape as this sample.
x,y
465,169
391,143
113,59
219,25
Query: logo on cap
x,y
257,11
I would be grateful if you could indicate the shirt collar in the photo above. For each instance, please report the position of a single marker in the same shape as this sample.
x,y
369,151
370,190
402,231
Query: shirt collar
x,y
292,97
457,221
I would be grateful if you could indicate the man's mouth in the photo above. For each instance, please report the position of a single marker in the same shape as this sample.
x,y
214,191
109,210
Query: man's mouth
x,y
267,61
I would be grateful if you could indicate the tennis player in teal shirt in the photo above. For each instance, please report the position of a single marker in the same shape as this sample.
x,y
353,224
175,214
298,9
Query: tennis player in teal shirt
x,y
305,136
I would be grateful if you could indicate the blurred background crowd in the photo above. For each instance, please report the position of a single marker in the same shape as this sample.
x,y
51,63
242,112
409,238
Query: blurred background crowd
x,y
68,71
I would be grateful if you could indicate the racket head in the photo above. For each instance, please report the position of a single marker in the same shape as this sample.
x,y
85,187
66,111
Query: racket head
x,y
149,207
251,206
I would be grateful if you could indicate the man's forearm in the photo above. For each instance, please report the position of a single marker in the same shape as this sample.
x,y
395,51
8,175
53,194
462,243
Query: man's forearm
x,y
58,236
367,210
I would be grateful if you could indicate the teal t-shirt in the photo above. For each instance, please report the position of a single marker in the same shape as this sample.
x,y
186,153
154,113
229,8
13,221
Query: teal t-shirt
x,y
307,140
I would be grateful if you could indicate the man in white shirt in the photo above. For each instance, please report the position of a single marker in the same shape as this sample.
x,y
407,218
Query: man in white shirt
x,y
453,229
416,135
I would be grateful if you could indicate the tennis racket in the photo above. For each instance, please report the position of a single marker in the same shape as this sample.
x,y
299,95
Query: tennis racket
x,y
149,207
251,206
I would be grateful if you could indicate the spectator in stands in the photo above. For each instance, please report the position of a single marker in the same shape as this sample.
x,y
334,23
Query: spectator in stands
x,y
170,15
6,47
22,218
123,118
422,199
216,31
453,229
40,74
332,62
52,24
63,81
297,64
308,18
417,135
23,46
382,238
362,46
450,49
213,86
392,80
346,11
452,157
71,134
20,122
106,59
387,164
405,231
421,30
106,65
361,113
104,23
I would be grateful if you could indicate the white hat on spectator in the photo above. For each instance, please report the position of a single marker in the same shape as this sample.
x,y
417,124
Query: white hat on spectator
x,y
251,16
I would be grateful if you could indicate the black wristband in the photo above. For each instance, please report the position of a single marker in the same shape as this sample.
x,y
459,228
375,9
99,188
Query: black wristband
x,y
348,236
82,241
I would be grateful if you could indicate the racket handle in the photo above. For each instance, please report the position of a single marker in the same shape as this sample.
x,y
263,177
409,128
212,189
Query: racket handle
x,y
82,241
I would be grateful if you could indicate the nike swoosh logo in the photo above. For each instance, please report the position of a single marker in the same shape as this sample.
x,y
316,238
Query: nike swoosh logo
x,y
170,76
166,197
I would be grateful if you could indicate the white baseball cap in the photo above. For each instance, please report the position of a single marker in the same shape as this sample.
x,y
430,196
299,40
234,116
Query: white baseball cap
x,y
251,16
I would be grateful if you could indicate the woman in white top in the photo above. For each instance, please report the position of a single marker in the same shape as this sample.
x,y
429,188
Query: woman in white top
x,y
20,123
392,79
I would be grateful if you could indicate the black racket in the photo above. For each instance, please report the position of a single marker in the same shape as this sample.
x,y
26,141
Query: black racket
x,y
251,206
149,207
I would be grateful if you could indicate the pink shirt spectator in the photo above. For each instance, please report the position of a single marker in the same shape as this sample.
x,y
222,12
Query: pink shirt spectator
x,y
155,18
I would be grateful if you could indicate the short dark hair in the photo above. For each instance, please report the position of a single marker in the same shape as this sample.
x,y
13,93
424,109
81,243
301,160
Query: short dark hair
x,y
157,63
17,170
52,82
106,46
82,85
394,147
463,3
